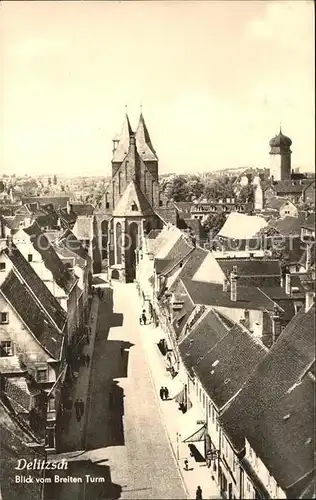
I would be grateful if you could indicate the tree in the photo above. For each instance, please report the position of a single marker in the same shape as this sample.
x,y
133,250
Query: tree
x,y
219,189
214,223
246,193
55,179
2,186
49,181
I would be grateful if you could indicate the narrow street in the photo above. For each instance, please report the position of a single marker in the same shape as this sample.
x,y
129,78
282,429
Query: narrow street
x,y
124,436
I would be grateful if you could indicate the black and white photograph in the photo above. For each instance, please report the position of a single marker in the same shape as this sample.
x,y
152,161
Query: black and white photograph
x,y
157,250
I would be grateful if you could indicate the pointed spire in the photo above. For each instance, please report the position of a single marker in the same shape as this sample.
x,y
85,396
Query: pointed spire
x,y
123,140
143,141
280,128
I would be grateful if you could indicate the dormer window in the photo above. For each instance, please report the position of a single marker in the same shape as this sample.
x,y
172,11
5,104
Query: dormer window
x,y
134,207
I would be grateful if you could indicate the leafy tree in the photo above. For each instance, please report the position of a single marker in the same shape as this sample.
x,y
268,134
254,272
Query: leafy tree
x,y
1,187
220,189
214,223
55,179
246,193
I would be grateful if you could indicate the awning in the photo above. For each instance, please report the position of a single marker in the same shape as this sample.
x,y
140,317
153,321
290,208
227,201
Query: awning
x,y
192,427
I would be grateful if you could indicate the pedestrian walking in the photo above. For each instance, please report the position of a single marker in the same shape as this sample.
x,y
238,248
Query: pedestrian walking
x,y
144,319
166,393
162,393
87,360
186,464
77,409
140,320
198,493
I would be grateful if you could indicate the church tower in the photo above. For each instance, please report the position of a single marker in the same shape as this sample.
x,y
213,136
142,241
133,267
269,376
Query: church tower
x,y
280,157
131,199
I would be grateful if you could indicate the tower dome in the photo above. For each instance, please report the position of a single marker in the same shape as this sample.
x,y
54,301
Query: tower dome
x,y
280,141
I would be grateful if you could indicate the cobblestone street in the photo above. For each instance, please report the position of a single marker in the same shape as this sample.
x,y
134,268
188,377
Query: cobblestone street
x,y
124,436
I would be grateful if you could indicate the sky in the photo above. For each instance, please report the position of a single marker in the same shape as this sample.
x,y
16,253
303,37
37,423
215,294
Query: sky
x,y
215,80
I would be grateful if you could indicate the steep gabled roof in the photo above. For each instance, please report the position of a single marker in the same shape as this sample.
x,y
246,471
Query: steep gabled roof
x,y
123,145
32,315
275,410
202,338
36,286
225,367
133,196
61,275
68,241
143,142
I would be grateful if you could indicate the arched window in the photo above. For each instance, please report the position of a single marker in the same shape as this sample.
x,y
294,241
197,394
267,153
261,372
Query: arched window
x,y
118,231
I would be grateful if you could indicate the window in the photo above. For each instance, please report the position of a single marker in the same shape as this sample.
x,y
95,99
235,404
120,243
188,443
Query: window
x,y
42,375
6,349
203,400
30,257
51,404
4,318
213,415
209,409
2,266
160,203
107,204
200,395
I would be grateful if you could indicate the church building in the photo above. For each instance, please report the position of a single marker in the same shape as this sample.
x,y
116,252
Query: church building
x,y
130,204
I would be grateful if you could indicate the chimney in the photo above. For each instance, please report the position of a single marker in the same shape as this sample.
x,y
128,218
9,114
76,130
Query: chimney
x,y
276,324
68,207
288,284
309,300
308,256
233,284
9,244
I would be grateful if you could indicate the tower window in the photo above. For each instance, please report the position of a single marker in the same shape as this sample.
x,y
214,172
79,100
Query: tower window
x,y
107,204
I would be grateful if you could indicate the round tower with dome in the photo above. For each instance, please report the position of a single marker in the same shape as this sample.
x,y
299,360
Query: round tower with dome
x,y
280,157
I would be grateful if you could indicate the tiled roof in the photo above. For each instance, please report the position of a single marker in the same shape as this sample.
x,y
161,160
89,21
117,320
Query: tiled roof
x,y
167,215
68,241
189,269
276,203
225,368
11,364
17,390
251,267
203,337
83,228
288,186
56,201
212,294
183,315
152,235
82,208
179,251
183,206
160,265
132,195
61,275
37,321
38,288
288,225
275,410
